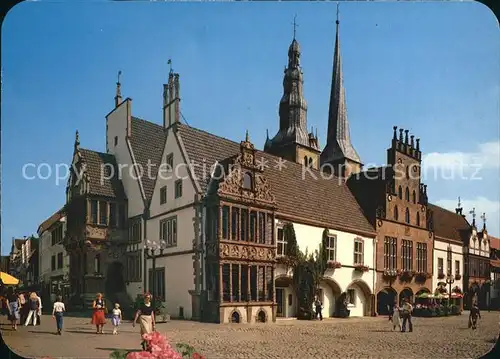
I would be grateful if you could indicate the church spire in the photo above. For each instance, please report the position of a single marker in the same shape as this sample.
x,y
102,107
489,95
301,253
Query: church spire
x,y
292,110
338,149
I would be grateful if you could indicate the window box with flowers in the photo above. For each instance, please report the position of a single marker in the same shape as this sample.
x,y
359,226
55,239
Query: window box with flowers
x,y
421,276
458,277
361,268
441,275
407,275
390,273
333,264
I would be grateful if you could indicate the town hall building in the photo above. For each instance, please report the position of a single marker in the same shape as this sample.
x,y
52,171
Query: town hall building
x,y
212,211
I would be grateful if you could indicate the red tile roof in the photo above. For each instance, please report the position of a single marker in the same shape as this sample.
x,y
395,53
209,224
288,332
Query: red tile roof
x,y
449,225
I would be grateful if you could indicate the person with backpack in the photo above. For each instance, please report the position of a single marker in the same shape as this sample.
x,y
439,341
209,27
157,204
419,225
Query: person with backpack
x,y
33,307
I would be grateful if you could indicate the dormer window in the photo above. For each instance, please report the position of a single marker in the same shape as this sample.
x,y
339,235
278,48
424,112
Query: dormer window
x,y
247,181
310,162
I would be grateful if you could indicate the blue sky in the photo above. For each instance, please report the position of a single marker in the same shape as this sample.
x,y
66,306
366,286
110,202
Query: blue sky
x,y
433,68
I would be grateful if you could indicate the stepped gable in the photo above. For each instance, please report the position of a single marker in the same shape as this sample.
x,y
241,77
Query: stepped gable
x,y
95,163
449,225
322,200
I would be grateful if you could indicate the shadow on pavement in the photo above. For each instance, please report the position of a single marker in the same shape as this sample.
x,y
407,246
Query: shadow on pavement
x,y
42,332
495,351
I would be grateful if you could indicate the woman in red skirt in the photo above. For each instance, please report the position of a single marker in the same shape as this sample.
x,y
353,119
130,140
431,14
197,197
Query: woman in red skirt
x,y
98,317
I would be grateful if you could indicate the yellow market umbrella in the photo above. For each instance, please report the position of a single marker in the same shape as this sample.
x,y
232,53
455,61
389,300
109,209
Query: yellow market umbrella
x,y
7,279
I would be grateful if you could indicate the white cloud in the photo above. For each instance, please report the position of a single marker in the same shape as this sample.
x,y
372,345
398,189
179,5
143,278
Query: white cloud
x,y
482,205
486,156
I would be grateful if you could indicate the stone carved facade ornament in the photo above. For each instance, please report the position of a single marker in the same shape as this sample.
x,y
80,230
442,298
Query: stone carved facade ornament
x,y
95,232
232,183
263,190
246,252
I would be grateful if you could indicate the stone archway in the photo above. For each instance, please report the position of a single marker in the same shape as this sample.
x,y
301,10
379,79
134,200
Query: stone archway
x,y
385,300
286,299
406,293
115,284
361,303
329,293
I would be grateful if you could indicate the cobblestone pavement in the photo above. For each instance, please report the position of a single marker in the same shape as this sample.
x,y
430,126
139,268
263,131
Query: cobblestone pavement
x,y
346,338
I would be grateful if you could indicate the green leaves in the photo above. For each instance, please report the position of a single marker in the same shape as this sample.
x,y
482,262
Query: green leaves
x,y
185,350
118,354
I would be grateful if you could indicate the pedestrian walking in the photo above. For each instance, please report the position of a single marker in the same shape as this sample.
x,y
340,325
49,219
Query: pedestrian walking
x,y
58,313
98,317
146,316
318,307
407,309
474,315
33,306
13,305
395,316
116,317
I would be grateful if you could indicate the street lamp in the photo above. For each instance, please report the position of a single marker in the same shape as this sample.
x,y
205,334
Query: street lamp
x,y
150,250
449,280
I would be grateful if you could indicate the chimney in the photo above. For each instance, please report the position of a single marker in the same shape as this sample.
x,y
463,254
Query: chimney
x,y
395,136
412,142
171,110
401,135
418,144
406,137
129,117
166,100
177,98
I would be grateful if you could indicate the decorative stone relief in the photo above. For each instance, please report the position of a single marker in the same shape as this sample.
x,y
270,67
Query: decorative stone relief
x,y
238,251
231,184
96,232
263,190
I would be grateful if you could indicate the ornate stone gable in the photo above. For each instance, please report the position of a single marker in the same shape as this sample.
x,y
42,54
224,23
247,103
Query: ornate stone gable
x,y
242,179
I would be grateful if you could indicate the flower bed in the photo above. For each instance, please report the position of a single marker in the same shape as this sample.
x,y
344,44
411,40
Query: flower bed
x,y
436,311
156,346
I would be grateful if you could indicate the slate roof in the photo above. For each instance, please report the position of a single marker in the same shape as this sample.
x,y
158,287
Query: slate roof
x,y
105,187
50,221
449,225
325,200
148,142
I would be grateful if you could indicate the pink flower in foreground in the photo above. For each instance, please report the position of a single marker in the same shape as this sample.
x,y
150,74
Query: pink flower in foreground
x,y
140,355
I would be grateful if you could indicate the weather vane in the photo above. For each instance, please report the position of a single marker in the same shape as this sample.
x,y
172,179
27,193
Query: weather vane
x,y
473,212
169,62
338,11
459,202
119,74
295,25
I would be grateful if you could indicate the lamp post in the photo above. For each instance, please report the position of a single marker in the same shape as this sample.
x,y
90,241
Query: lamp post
x,y
449,280
150,250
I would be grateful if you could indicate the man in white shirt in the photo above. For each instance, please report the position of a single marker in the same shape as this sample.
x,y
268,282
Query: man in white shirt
x,y
57,313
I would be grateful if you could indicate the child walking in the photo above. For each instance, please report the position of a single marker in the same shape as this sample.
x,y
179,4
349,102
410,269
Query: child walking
x,y
117,317
57,312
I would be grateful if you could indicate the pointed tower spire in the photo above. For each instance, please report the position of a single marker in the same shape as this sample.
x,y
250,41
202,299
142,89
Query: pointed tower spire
x,y
118,97
292,131
339,149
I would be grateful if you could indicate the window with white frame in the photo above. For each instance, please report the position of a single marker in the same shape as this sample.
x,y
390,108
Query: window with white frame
x,y
440,266
280,242
358,251
457,267
351,296
168,231
331,247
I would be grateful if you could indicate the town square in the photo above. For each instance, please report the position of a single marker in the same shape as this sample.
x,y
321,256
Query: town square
x,y
191,184
353,338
